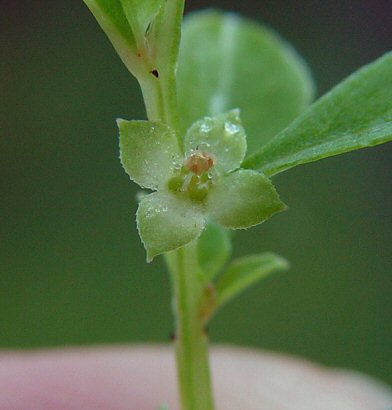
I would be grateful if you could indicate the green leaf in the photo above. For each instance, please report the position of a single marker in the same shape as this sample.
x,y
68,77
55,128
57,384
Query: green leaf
x,y
223,136
355,114
246,271
148,151
213,249
165,33
228,62
111,13
111,17
166,223
242,199
140,14
145,34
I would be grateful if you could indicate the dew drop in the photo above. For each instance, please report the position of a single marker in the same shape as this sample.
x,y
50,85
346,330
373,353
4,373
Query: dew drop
x,y
231,128
205,127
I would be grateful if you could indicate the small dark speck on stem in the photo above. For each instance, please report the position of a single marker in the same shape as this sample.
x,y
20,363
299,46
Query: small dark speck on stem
x,y
155,73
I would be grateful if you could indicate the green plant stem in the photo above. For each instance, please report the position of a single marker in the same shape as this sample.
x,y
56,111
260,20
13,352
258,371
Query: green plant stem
x,y
153,99
191,340
160,98
157,76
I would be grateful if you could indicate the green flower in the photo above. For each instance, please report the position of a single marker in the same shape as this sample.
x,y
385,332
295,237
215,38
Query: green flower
x,y
201,180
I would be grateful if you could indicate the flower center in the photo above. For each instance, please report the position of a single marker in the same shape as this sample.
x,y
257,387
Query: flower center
x,y
194,177
199,162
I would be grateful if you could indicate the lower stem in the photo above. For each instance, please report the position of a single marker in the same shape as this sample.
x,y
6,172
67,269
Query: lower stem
x,y
191,340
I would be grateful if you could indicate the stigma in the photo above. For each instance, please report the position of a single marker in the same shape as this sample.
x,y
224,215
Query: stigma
x,y
199,162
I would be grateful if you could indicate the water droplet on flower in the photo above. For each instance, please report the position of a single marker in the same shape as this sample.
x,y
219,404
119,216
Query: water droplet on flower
x,y
231,128
205,127
161,209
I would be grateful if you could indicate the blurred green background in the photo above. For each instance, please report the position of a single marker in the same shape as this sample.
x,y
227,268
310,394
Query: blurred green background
x,y
72,269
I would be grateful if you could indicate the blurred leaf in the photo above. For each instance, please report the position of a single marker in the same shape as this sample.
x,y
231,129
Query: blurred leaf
x,y
246,271
228,62
355,114
213,249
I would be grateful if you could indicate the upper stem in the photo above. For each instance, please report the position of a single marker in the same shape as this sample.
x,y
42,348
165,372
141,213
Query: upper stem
x,y
158,77
159,98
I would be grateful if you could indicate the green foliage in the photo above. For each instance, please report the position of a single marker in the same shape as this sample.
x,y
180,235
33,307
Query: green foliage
x,y
110,15
245,272
141,14
148,151
166,222
213,250
222,136
228,62
192,154
243,199
206,182
355,114
146,36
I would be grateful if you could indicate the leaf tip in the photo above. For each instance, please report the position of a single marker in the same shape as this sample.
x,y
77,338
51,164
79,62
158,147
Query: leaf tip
x,y
120,122
151,253
150,256
283,263
280,262
283,206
